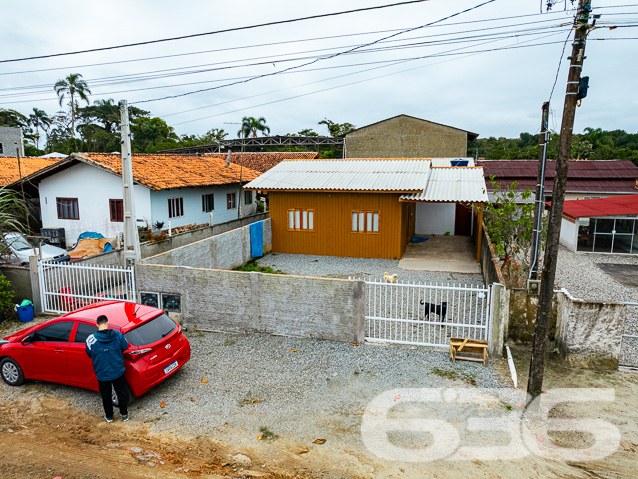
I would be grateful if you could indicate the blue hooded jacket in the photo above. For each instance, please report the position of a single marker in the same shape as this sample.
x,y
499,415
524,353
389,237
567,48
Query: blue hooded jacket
x,y
106,349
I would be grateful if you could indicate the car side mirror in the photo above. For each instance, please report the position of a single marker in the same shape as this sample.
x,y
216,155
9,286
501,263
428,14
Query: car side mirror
x,y
28,338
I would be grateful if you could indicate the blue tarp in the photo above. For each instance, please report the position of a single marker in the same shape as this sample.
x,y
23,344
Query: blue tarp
x,y
257,239
418,239
88,234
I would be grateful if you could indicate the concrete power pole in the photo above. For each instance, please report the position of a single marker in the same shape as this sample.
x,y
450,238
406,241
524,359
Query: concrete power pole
x,y
575,91
131,238
540,193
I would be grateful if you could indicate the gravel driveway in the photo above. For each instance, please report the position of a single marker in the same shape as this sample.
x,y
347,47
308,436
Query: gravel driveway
x,y
299,389
344,267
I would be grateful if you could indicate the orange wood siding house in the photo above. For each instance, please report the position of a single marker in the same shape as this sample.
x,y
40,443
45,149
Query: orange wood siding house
x,y
387,220
343,207
364,207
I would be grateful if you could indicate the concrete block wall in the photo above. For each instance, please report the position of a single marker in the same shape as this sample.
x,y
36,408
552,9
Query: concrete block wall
x,y
224,251
240,302
20,279
588,333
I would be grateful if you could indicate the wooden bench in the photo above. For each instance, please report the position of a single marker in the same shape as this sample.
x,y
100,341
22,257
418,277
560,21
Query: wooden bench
x,y
470,349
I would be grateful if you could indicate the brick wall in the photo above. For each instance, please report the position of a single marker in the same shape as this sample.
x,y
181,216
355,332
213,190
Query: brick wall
x,y
239,302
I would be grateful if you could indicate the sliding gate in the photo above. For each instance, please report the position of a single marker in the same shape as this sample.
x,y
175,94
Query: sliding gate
x,y
65,287
426,314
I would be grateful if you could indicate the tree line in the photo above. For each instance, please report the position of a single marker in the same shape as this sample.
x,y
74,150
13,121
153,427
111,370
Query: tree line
x,y
82,126
592,144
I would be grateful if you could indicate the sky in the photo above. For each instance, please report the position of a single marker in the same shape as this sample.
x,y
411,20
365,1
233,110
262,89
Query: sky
x,y
437,72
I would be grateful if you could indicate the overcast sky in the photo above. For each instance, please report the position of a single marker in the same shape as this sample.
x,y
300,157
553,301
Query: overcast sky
x,y
496,93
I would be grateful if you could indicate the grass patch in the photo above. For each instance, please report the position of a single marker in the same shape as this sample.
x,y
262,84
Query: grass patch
x,y
453,375
250,400
229,341
253,266
267,434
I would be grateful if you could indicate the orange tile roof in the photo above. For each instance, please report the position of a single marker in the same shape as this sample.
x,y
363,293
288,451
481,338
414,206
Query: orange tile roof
x,y
265,161
161,171
9,171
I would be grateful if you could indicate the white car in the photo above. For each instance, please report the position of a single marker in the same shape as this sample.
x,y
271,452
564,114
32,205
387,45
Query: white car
x,y
20,250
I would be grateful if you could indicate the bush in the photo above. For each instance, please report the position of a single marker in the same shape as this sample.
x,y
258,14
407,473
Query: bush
x,y
6,298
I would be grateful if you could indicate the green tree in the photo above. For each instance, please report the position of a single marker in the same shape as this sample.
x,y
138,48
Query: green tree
x,y
251,125
75,87
337,129
509,220
39,119
13,119
13,215
151,134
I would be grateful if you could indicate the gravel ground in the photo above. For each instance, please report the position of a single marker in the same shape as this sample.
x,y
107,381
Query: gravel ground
x,y
318,390
343,267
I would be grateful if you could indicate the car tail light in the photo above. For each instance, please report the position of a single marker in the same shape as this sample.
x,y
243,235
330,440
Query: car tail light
x,y
134,355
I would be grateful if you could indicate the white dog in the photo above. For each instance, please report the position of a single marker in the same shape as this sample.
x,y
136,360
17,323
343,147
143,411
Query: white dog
x,y
390,278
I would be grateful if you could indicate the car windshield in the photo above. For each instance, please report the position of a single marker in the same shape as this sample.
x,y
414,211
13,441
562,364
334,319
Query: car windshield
x,y
151,331
17,242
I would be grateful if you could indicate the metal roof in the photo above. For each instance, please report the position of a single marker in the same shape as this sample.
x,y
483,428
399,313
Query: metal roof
x,y
578,169
451,185
364,174
626,205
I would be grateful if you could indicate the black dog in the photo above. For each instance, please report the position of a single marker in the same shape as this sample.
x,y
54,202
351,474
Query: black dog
x,y
439,310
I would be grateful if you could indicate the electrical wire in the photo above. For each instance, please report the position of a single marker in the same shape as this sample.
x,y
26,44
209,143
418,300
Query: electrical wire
x,y
316,60
560,62
37,89
216,32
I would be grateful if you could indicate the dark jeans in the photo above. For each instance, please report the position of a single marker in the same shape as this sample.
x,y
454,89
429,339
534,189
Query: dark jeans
x,y
122,395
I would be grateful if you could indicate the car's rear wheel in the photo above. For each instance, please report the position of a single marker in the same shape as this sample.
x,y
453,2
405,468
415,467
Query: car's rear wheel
x,y
116,401
11,372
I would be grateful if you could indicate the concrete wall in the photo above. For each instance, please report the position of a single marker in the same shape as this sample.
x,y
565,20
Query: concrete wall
x,y
20,279
588,333
93,188
240,302
435,218
11,139
490,265
406,137
154,248
225,251
569,234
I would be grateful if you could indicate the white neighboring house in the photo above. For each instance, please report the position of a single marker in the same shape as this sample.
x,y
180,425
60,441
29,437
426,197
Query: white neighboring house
x,y
84,192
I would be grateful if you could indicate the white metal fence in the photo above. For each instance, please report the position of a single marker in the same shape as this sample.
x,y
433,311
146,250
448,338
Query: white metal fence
x,y
427,314
65,287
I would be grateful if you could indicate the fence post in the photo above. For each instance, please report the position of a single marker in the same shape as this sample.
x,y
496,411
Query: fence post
x,y
499,314
35,283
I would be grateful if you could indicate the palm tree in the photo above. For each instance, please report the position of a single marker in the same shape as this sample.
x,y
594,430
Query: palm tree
x,y
39,118
73,85
250,124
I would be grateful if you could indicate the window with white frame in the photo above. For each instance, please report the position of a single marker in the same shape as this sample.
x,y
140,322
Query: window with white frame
x,y
365,221
231,201
301,220
175,207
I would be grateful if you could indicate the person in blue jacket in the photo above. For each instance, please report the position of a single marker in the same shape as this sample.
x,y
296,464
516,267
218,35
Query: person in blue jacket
x,y
106,348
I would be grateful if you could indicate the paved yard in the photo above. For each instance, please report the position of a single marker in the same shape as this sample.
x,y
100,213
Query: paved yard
x,y
342,267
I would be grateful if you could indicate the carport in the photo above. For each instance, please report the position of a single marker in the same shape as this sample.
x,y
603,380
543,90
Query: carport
x,y
449,215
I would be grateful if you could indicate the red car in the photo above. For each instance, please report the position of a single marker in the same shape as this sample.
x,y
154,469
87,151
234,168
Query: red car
x,y
55,350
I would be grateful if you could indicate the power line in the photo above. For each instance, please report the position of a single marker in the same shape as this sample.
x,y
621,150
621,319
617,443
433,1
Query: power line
x,y
216,32
316,60
95,83
75,67
560,62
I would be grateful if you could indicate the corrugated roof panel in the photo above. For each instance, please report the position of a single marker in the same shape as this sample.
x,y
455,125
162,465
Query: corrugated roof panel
x,y
351,175
452,185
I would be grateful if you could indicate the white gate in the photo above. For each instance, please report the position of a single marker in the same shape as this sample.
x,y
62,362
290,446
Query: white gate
x,y
65,287
426,314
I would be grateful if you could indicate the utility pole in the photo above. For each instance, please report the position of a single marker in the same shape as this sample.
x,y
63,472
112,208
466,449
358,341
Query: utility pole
x,y
131,238
540,193
575,91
